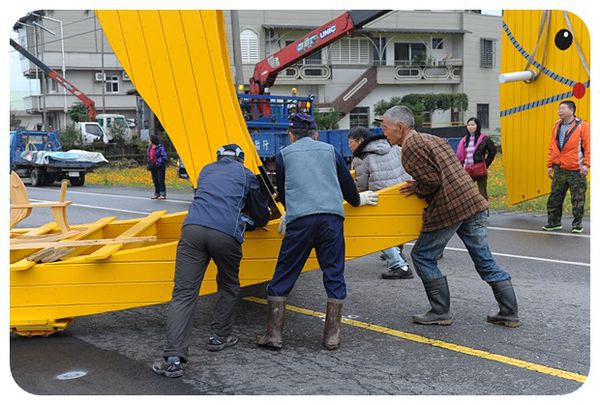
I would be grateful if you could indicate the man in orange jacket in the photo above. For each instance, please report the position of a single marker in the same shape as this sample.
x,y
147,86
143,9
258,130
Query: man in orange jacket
x,y
568,165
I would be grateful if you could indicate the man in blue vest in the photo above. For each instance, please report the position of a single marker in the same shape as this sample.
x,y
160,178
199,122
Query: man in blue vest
x,y
312,182
227,200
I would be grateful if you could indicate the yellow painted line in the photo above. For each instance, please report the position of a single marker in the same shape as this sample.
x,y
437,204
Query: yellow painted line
x,y
440,343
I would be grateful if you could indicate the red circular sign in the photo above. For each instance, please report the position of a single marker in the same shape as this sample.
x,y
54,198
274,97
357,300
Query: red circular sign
x,y
579,90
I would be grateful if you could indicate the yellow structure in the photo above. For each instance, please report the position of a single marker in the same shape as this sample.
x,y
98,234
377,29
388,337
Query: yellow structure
x,y
558,45
178,62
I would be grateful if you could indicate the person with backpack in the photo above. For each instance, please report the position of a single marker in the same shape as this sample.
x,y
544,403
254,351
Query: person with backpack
x,y
157,164
476,152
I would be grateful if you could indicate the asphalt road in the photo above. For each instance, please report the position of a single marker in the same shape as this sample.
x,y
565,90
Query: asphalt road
x,y
382,351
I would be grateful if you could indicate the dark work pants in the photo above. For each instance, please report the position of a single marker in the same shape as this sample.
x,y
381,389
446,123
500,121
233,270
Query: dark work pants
x,y
324,233
195,249
158,178
566,180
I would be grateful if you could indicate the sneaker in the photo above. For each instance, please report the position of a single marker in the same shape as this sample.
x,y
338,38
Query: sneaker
x,y
216,343
396,273
577,229
168,369
549,227
154,197
162,197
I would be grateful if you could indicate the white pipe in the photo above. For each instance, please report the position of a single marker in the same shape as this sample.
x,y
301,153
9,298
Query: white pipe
x,y
515,76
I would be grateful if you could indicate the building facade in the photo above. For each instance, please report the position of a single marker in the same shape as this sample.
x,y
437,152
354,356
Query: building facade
x,y
403,52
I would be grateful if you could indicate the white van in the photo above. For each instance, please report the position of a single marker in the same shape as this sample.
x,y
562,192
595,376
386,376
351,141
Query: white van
x,y
106,121
91,132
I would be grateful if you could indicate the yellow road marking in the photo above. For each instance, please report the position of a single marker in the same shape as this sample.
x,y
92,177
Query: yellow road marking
x,y
440,343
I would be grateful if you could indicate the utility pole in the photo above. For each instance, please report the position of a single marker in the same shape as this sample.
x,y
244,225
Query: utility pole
x,y
103,74
237,50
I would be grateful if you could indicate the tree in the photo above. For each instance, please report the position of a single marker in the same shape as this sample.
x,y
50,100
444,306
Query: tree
x,y
78,112
327,120
420,103
70,138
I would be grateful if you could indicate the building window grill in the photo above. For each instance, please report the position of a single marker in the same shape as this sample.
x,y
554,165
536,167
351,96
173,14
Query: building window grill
x,y
487,53
359,116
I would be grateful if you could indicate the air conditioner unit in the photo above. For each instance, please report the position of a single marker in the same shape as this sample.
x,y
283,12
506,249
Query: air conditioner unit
x,y
125,76
100,77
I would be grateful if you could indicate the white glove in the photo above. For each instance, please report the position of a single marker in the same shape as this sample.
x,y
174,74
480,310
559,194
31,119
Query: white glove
x,y
368,198
282,225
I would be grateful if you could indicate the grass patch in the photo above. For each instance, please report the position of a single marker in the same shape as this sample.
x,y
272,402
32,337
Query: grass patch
x,y
497,193
135,177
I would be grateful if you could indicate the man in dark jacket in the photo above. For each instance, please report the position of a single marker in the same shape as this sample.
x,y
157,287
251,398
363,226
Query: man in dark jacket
x,y
226,196
454,206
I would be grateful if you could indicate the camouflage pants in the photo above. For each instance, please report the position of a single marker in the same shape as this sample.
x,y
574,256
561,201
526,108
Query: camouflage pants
x,y
566,180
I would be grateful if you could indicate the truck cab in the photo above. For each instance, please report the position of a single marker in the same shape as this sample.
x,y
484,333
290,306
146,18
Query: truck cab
x,y
106,121
92,132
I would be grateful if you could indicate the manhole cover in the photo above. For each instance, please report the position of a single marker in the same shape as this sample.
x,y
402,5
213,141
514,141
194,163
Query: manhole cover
x,y
71,375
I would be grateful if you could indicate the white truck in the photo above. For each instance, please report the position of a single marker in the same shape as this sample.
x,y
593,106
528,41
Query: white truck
x,y
91,132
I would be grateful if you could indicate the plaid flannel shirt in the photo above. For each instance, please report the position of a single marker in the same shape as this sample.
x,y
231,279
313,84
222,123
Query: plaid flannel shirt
x,y
441,180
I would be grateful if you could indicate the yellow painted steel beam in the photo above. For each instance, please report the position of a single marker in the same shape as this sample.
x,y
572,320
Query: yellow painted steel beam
x,y
133,277
528,110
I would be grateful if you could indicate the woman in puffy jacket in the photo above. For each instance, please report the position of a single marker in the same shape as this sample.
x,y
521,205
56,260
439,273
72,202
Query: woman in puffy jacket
x,y
378,165
476,147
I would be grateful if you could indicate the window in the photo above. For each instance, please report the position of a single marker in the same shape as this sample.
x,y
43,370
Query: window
x,y
359,116
350,51
409,53
437,43
249,45
487,53
112,84
377,48
483,115
52,86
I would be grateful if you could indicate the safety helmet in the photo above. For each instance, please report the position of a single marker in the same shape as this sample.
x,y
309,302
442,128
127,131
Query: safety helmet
x,y
231,150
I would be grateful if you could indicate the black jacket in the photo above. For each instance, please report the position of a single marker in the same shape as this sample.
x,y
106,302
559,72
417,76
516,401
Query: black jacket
x,y
485,151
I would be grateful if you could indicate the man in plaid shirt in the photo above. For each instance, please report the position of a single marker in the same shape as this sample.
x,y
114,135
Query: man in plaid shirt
x,y
454,206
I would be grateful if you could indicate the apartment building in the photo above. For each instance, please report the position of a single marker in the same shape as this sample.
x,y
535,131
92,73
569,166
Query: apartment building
x,y
403,52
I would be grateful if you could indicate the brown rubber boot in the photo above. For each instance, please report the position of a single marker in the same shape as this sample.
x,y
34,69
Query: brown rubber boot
x,y
333,320
272,339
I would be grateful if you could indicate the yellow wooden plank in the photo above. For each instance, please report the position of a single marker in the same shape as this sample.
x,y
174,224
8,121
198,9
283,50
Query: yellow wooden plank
x,y
105,251
79,243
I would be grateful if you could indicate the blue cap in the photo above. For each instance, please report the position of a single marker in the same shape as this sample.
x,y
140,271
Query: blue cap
x,y
302,121
232,150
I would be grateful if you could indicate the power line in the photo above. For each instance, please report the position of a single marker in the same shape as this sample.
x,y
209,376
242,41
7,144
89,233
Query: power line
x,y
67,37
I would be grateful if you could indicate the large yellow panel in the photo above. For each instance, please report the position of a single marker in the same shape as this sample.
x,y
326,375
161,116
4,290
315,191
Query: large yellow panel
x,y
178,62
139,276
528,111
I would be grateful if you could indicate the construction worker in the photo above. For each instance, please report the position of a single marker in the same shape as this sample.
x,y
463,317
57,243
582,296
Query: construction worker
x,y
214,228
568,166
293,104
454,206
312,180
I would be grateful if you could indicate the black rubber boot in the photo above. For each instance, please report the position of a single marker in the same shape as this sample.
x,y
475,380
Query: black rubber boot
x,y
507,302
438,295
333,320
272,339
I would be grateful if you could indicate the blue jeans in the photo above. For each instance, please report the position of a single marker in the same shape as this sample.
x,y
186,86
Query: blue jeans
x,y
394,258
473,232
324,233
